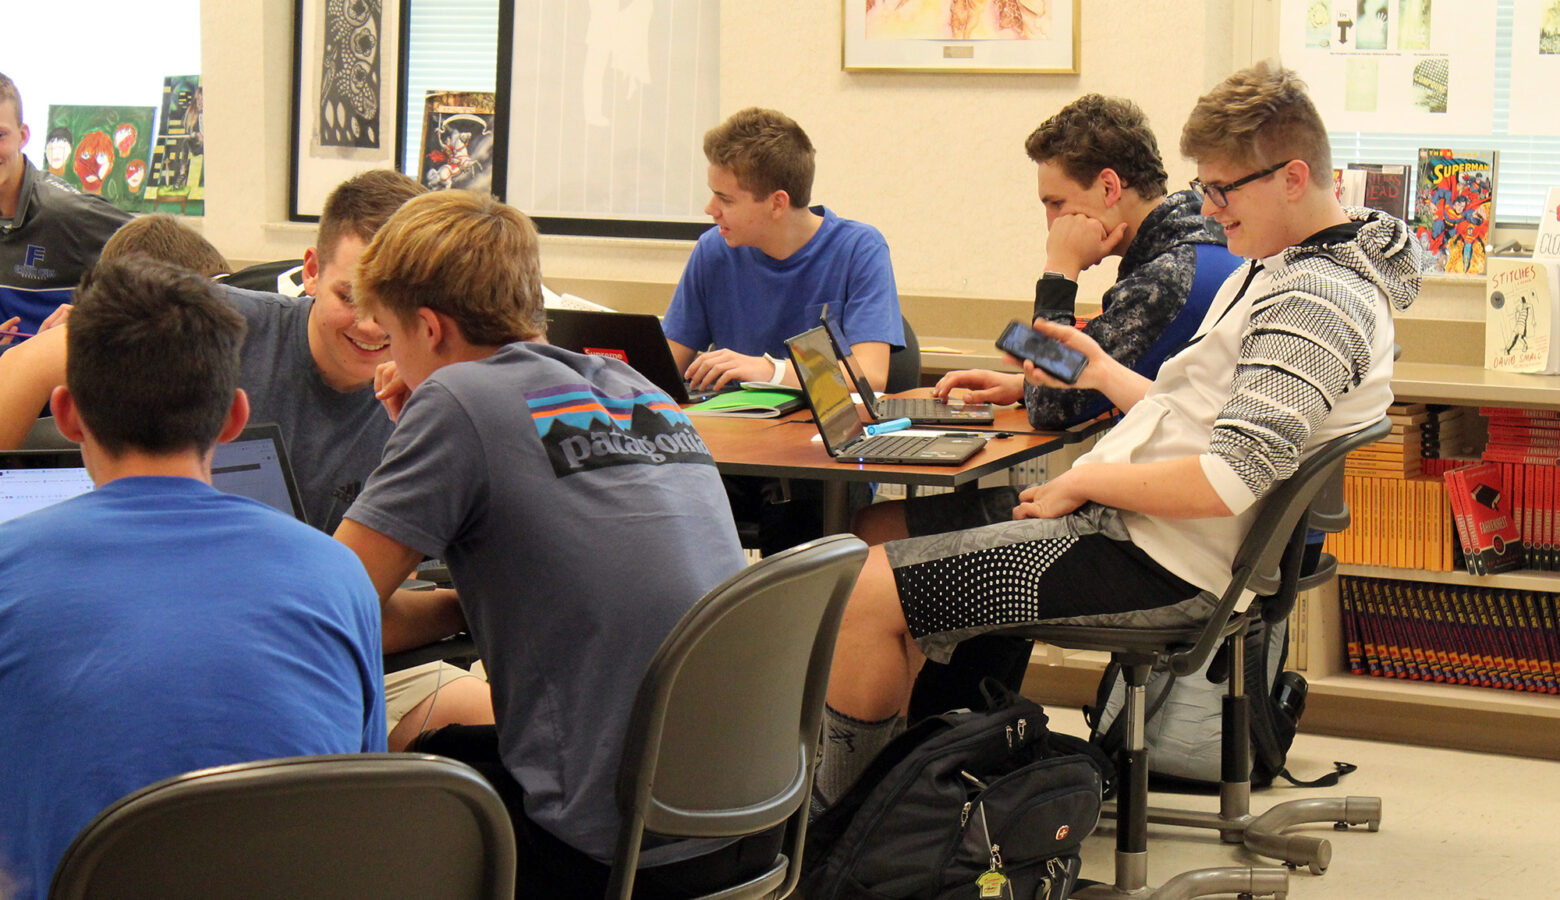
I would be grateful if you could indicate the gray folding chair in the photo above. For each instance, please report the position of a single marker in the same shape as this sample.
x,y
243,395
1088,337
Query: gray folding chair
x,y
724,732
372,825
1267,564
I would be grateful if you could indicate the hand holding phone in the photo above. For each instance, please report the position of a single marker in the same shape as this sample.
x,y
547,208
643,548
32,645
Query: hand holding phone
x,y
1048,354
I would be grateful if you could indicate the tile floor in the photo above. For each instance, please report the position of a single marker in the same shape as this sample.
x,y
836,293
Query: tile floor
x,y
1454,825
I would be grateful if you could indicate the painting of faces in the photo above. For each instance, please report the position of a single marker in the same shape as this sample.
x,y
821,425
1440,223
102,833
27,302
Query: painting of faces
x,y
109,148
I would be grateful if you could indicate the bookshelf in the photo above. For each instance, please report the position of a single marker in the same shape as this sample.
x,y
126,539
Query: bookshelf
x,y
1412,712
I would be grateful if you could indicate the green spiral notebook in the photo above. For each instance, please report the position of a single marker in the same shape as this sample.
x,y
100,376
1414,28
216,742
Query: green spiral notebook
x,y
760,403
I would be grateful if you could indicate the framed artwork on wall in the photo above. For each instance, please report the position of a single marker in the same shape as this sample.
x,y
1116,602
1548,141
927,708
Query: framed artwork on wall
x,y
1036,36
348,59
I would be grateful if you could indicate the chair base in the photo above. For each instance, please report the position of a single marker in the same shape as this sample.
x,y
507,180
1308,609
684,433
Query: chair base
x,y
1263,834
1246,882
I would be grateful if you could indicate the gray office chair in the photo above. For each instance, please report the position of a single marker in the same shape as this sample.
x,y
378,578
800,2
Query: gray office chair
x,y
1267,563
724,733
376,825
44,435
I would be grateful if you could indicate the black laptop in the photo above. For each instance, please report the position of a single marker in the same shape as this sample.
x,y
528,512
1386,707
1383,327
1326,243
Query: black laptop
x,y
634,338
919,410
254,465
844,434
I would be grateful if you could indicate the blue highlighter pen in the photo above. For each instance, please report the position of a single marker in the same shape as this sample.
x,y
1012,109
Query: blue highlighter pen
x,y
889,427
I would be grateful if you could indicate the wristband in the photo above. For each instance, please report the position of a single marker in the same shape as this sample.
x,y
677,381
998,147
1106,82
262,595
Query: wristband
x,y
779,365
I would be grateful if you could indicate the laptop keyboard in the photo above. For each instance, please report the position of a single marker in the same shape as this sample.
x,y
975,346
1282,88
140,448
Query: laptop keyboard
x,y
897,444
913,407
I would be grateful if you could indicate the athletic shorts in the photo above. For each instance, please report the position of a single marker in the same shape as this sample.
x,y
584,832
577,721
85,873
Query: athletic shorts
x,y
1079,569
408,687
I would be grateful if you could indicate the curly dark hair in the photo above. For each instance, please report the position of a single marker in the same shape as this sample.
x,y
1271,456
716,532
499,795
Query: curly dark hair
x,y
1096,132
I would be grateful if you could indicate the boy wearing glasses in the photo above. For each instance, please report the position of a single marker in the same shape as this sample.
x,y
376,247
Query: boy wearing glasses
x,y
1296,350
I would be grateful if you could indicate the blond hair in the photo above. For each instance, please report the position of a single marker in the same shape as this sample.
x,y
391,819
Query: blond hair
x,y
767,151
463,254
161,236
1259,116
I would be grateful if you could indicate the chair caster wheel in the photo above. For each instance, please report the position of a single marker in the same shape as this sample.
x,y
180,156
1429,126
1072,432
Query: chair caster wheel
x,y
1340,825
1317,868
1373,825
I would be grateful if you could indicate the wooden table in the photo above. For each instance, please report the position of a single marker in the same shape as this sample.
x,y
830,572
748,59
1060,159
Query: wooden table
x,y
785,448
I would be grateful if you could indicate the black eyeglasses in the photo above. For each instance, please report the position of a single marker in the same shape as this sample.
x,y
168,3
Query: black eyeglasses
x,y
1218,192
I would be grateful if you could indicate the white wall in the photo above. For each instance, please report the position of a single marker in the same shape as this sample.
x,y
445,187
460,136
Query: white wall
x,y
935,161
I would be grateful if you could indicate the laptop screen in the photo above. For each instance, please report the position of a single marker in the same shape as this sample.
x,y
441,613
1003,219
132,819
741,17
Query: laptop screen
x,y
33,479
253,465
819,370
633,338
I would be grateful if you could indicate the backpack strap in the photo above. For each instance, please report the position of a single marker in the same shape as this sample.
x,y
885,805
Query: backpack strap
x,y
1340,769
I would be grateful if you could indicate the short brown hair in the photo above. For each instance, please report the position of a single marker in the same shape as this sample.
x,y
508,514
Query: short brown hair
x,y
1257,117
767,151
152,356
463,254
160,236
9,92
1094,133
361,205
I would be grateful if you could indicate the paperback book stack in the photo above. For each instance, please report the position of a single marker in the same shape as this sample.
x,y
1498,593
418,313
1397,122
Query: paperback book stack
x,y
1524,444
1451,634
1398,516
1485,513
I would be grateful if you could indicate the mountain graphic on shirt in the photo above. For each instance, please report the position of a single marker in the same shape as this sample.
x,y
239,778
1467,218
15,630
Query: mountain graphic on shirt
x,y
584,429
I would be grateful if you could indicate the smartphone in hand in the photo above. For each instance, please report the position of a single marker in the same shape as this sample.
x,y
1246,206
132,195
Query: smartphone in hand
x,y
1048,354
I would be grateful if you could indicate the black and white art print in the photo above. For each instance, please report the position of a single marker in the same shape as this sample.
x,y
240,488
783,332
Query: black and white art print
x,y
348,61
350,65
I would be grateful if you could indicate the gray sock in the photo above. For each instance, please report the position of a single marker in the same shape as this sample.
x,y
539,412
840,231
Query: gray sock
x,y
848,746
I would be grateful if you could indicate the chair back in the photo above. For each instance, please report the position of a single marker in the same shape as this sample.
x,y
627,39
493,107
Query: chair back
x,y
722,737
44,435
341,826
1268,561
904,364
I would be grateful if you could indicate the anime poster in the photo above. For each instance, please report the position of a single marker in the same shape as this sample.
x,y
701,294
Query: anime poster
x,y
1455,207
179,155
109,150
457,142
350,74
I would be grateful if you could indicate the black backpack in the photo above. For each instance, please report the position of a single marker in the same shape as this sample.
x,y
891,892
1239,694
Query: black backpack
x,y
957,796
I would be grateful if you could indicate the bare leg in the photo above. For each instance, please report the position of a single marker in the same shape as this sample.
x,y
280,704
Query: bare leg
x,y
881,523
875,660
464,701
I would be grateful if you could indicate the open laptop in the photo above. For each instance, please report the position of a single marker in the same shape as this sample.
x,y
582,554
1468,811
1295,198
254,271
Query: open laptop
x,y
919,410
844,434
254,465
634,338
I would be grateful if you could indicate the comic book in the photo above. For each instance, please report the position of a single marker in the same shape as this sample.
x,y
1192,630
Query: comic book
x,y
1385,187
457,142
1522,316
1454,207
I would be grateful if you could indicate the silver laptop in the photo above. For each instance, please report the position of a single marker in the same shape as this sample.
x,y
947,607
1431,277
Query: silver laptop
x,y
919,410
844,434
253,465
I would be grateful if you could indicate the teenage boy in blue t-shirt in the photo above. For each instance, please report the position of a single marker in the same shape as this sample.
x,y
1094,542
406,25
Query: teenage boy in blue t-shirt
x,y
772,264
156,625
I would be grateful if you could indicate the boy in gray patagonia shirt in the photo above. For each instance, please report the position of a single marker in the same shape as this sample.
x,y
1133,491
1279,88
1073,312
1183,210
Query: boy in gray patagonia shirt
x,y
579,511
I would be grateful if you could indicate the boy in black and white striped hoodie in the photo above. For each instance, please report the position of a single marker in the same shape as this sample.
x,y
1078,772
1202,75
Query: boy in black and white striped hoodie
x,y
1295,350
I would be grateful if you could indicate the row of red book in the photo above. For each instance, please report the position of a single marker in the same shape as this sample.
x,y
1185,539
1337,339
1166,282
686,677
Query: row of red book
x,y
1452,634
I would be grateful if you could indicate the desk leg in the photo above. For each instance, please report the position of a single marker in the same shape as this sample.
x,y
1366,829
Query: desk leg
x,y
836,506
